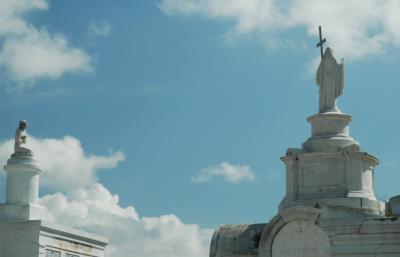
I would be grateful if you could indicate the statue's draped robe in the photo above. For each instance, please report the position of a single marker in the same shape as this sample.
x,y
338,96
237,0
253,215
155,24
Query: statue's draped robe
x,y
20,142
330,80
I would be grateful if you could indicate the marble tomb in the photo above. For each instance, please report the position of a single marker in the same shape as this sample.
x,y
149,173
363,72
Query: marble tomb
x,y
330,208
24,231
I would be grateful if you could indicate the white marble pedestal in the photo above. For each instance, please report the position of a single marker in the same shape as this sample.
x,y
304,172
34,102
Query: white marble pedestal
x,y
22,189
38,238
330,208
23,230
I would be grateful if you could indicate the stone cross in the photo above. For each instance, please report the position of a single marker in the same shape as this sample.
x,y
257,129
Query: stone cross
x,y
321,42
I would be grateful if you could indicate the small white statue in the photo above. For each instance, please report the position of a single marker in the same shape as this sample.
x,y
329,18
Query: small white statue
x,y
20,139
330,78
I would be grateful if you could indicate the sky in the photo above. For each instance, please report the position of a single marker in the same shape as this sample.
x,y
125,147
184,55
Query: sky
x,y
156,121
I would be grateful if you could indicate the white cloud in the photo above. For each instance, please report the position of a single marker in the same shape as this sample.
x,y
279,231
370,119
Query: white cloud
x,y
354,28
231,173
96,210
86,204
64,160
40,55
29,53
99,28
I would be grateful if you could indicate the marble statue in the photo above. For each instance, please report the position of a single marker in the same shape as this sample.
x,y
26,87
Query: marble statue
x,y
20,139
330,80
330,208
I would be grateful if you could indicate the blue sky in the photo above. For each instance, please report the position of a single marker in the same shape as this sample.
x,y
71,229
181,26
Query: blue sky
x,y
178,87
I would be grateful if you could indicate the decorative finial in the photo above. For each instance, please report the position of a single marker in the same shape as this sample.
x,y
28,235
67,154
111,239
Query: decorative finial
x,y
20,139
321,42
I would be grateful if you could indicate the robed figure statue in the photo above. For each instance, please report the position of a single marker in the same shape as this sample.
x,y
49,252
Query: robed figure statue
x,y
330,80
20,146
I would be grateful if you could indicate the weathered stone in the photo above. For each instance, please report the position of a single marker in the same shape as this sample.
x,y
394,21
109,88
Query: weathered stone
x,y
330,78
234,240
32,238
330,208
301,238
394,205
326,176
23,230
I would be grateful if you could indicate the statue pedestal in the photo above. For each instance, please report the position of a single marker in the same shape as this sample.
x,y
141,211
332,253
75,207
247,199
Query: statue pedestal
x,y
330,169
39,238
21,211
22,193
341,179
330,208
329,133
24,231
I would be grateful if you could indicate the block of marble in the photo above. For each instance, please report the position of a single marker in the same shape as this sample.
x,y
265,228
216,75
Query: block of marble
x,y
329,133
22,179
22,189
236,240
305,231
34,238
330,208
394,203
21,211
23,230
334,178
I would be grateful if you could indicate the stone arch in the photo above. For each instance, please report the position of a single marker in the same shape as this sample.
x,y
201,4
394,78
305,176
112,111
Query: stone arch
x,y
294,230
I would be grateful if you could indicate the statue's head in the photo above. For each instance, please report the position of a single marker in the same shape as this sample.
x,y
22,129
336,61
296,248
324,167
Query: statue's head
x,y
328,51
23,124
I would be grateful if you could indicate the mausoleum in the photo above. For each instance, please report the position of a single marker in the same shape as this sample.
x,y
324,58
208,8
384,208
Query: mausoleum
x,y
24,231
330,208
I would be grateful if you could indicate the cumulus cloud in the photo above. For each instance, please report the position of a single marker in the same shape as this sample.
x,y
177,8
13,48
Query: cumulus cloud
x,y
28,53
231,173
99,28
96,210
64,160
355,28
87,204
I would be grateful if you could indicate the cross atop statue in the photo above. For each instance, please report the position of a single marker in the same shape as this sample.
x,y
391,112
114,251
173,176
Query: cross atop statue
x,y
330,79
321,42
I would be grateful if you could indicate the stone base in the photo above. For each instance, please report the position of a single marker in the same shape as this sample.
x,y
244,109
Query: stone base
x,y
22,179
330,144
362,207
236,240
304,232
21,211
329,133
332,178
394,206
37,238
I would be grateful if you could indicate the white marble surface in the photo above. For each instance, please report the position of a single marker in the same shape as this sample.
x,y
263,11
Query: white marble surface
x,y
23,232
301,238
234,240
20,144
32,239
329,133
350,234
21,211
331,178
330,78
394,205
330,208
22,179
